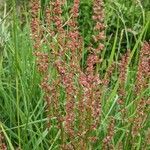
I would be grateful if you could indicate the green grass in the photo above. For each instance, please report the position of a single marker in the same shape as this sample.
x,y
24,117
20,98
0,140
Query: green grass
x,y
22,108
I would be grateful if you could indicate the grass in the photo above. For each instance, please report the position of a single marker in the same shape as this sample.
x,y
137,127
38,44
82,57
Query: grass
x,y
22,108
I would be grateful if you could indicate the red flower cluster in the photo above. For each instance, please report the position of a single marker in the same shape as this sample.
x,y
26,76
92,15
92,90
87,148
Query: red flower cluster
x,y
143,68
83,88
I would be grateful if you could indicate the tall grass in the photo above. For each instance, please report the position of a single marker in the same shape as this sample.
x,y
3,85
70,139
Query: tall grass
x,y
28,121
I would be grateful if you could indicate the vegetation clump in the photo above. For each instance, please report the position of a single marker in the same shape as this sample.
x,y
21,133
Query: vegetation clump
x,y
64,87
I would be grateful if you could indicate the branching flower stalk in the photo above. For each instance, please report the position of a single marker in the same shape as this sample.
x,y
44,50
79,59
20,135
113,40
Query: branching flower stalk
x,y
90,80
142,82
123,68
36,24
73,45
42,60
143,71
107,140
68,69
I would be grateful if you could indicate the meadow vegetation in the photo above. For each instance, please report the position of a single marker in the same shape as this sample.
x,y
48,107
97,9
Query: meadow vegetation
x,y
75,75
